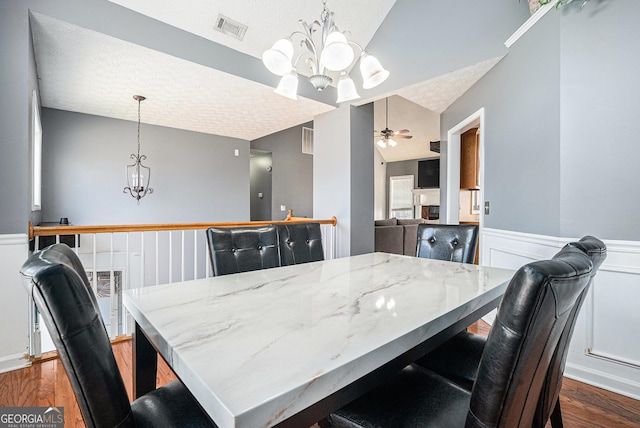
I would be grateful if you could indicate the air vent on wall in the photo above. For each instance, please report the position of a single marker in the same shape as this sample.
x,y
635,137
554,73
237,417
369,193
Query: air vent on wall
x,y
307,140
230,27
434,146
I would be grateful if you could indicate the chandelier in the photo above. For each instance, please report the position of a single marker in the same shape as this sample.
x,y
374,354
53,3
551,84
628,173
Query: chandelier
x,y
331,53
138,175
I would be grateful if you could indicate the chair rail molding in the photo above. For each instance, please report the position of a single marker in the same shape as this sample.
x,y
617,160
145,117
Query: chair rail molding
x,y
603,350
14,340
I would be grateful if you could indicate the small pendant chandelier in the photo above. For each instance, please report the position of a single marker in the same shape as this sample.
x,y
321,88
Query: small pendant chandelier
x,y
138,175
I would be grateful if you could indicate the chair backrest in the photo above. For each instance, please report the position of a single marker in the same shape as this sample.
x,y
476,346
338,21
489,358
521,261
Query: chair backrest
x,y
66,305
300,243
596,250
60,253
450,242
234,250
521,343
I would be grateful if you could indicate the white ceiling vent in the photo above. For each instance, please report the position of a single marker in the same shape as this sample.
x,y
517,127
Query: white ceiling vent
x,y
229,26
307,140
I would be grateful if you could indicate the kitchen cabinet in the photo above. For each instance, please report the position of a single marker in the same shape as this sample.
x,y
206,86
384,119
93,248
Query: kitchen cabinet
x,y
470,159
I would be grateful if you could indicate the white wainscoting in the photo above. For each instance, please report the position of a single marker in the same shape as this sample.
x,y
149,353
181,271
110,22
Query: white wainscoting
x,y
14,324
605,348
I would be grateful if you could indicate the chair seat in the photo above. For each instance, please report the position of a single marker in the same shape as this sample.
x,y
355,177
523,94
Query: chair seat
x,y
457,359
169,406
414,397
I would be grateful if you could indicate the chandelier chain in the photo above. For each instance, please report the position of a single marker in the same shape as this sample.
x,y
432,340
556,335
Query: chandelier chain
x,y
139,100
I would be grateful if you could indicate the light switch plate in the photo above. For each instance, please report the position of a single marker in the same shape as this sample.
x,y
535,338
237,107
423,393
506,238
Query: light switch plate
x,y
237,152
486,208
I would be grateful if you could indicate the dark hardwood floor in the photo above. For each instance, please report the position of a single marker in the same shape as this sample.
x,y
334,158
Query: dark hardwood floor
x,y
45,384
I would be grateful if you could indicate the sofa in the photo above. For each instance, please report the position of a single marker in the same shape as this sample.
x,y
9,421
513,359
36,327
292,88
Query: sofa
x,y
397,236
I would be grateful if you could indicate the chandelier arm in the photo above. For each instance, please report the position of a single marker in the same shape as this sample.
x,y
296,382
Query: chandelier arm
x,y
311,48
357,44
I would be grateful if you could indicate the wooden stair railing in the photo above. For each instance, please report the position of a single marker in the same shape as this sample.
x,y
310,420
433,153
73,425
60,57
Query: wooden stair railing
x,y
77,230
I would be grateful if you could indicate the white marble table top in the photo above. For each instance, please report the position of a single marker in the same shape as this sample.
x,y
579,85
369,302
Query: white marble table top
x,y
256,348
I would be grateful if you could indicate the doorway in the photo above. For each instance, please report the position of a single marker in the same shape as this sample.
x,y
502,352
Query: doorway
x,y
452,193
260,185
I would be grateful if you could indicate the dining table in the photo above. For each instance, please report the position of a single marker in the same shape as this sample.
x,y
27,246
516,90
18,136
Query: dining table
x,y
287,346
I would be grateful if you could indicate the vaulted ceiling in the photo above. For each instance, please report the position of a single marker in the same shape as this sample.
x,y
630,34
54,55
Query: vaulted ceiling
x,y
87,71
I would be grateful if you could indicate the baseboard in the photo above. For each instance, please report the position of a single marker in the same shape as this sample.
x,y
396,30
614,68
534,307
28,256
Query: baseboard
x,y
14,362
626,387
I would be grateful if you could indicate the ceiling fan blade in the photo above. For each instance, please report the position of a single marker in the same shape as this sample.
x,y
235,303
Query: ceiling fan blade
x,y
406,137
402,131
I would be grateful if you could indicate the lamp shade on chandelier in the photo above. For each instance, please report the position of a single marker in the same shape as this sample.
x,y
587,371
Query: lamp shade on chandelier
x,y
138,175
332,53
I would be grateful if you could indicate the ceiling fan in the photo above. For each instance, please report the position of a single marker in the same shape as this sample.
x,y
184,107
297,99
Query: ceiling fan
x,y
387,133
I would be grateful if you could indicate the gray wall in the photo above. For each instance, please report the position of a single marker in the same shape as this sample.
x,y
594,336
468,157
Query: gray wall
x,y
560,148
15,99
292,175
600,147
521,97
419,40
195,177
362,183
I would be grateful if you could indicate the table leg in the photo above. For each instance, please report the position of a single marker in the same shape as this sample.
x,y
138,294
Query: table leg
x,y
145,364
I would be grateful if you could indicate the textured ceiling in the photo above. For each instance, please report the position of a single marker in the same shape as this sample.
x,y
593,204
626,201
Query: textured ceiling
x,y
440,92
88,72
85,71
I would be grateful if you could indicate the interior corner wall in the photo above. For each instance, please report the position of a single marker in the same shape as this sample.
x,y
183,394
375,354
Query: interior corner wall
x,y
196,177
292,173
343,175
600,147
521,97
362,180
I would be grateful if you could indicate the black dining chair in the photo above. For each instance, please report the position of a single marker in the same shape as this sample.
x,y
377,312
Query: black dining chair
x,y
515,360
458,359
243,249
73,319
450,242
61,253
300,243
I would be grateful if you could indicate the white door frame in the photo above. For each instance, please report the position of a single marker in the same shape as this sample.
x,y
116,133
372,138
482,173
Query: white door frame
x,y
452,196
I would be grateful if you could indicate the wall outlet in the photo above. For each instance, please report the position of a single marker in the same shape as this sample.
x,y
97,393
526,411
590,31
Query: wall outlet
x,y
260,195
237,152
283,208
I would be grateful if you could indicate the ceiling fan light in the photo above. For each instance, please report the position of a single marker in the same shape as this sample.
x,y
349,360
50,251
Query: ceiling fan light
x,y
288,86
346,89
392,142
337,54
381,143
278,58
372,71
